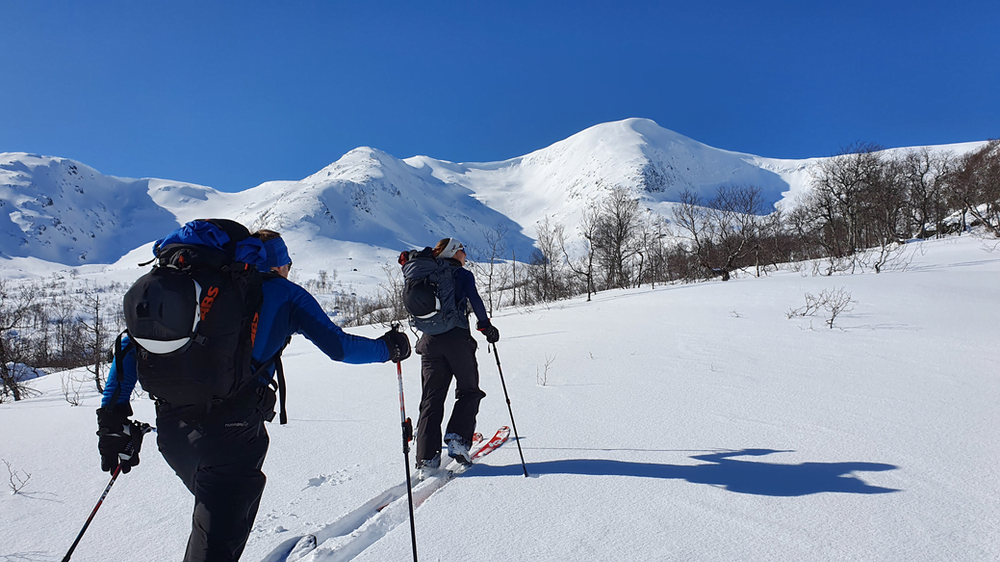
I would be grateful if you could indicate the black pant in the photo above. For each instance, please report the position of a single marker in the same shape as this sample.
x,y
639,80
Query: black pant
x,y
451,354
218,456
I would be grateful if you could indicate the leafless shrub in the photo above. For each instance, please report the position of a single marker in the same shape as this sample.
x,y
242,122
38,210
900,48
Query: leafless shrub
x,y
542,378
812,307
834,301
491,269
18,478
832,264
989,246
837,302
96,334
71,388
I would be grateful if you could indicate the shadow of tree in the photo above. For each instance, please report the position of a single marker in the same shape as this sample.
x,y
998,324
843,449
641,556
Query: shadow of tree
x,y
721,470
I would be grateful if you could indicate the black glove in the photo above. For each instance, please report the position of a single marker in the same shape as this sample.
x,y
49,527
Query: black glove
x,y
490,331
398,344
119,439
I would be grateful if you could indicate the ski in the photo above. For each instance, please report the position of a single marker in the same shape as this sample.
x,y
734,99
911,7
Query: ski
x,y
420,476
360,528
423,474
498,439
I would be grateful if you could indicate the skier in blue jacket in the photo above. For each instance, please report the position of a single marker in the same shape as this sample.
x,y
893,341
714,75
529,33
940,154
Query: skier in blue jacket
x,y
217,450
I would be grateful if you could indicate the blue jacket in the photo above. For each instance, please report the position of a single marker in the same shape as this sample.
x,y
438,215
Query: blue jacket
x,y
465,288
288,309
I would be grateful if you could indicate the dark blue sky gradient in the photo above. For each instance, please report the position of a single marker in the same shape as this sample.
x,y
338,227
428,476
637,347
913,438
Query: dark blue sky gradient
x,y
232,94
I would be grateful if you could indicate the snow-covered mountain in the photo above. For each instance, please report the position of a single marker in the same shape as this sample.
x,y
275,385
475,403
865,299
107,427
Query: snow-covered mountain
x,y
369,204
63,211
563,179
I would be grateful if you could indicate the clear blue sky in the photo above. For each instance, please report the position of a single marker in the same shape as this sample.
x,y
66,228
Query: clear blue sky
x,y
232,94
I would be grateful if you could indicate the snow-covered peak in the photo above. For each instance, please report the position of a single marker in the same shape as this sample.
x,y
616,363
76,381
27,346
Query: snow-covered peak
x,y
562,180
370,197
356,165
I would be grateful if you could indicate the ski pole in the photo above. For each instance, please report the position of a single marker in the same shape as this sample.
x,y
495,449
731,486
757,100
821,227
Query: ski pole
x,y
407,435
114,476
507,397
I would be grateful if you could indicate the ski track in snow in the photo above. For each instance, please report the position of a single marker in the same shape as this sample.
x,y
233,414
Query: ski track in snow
x,y
345,529
271,522
350,535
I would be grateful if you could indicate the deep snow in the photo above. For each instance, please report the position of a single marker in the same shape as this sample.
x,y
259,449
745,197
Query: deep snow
x,y
685,422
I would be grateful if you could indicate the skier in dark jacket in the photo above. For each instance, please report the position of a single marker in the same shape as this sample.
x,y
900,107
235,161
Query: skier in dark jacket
x,y
447,355
217,450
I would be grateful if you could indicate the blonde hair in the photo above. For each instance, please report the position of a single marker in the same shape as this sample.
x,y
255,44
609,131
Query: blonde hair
x,y
441,246
447,248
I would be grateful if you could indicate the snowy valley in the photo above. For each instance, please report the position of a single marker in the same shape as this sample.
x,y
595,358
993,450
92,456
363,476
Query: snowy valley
x,y
685,422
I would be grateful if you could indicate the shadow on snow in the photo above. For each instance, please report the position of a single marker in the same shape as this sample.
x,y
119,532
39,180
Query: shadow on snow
x,y
721,470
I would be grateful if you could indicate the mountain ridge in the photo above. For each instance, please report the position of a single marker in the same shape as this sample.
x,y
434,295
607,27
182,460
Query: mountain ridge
x,y
64,212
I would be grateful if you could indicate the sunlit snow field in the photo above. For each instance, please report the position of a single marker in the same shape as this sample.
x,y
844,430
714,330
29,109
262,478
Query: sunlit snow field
x,y
685,422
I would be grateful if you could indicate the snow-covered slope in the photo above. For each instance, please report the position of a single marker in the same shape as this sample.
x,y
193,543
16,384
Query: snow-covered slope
x,y
349,216
563,179
62,211
688,423
371,198
798,174
369,202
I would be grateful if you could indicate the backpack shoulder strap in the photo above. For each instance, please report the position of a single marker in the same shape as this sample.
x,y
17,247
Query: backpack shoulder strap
x,y
282,393
278,381
119,365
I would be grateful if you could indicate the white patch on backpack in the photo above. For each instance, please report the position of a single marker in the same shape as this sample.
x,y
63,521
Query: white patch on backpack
x,y
237,424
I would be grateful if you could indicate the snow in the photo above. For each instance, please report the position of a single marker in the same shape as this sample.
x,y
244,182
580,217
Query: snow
x,y
369,202
685,422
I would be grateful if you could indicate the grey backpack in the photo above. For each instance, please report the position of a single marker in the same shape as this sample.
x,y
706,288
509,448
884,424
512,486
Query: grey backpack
x,y
429,292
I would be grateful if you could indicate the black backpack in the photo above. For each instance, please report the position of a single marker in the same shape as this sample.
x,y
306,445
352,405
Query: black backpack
x,y
429,292
193,318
